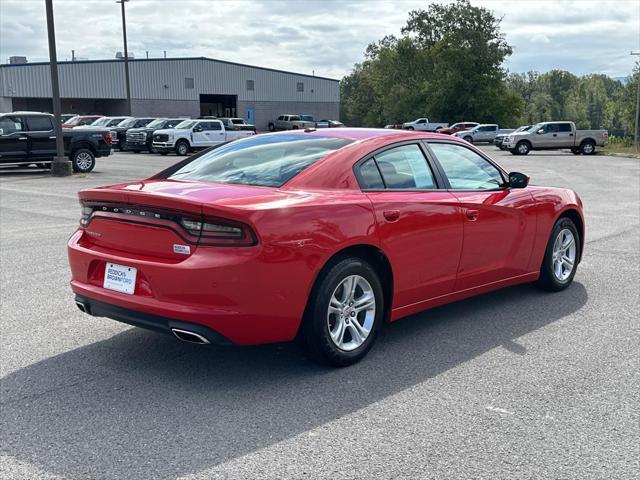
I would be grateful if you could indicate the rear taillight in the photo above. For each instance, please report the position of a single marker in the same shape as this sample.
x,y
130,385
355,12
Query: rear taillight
x,y
218,231
108,138
85,215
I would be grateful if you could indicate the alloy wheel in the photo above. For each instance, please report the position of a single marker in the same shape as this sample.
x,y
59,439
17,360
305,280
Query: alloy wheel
x,y
564,255
351,313
83,161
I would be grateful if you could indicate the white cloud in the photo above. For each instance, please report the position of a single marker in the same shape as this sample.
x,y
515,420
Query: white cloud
x,y
327,36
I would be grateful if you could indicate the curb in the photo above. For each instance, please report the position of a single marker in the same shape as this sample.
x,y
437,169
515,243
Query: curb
x,y
622,155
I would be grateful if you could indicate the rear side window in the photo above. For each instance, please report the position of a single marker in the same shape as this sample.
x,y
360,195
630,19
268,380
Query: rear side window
x,y
370,176
39,124
405,167
268,161
564,127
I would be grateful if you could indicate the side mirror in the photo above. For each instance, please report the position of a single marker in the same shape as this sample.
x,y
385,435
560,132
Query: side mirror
x,y
541,131
197,129
518,180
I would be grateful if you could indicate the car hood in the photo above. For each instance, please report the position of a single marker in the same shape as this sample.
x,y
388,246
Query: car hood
x,y
463,132
518,134
172,130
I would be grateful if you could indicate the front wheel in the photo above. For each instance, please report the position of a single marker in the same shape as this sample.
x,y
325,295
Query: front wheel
x,y
410,128
344,313
83,160
272,127
561,257
523,148
182,148
468,139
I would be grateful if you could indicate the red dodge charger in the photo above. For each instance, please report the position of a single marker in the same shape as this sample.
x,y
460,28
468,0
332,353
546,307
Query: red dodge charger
x,y
317,235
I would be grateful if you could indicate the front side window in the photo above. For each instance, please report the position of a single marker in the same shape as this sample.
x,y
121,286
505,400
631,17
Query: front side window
x,y
268,161
211,126
551,128
487,128
465,169
10,125
39,124
405,167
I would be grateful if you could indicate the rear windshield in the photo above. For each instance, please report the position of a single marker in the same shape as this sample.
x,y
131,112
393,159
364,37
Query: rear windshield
x,y
268,160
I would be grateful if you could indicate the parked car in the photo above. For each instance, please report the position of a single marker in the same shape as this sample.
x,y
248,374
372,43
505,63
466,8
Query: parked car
x,y
485,132
120,130
318,236
29,138
106,122
290,122
395,126
424,125
237,124
458,127
141,139
498,141
80,120
193,135
554,136
66,116
329,124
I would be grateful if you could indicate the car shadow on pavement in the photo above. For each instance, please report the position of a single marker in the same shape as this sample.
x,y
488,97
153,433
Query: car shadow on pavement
x,y
141,405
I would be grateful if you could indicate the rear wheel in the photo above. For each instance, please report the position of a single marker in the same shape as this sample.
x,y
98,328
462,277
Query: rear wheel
x,y
182,147
272,127
588,147
83,160
468,139
561,257
344,313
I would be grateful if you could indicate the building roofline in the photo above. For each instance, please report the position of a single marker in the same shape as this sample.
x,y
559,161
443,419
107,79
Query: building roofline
x,y
169,60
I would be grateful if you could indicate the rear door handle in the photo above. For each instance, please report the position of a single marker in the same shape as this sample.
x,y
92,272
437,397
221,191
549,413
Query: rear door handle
x,y
391,215
472,215
555,134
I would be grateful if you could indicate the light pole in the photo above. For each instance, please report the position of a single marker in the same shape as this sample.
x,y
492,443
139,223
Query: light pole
x,y
635,132
126,56
60,167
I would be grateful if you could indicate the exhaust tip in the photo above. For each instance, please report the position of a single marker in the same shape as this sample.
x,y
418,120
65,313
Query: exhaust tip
x,y
81,306
191,337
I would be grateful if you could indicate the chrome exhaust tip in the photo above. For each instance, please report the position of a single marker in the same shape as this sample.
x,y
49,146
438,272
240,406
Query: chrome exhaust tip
x,y
191,337
81,306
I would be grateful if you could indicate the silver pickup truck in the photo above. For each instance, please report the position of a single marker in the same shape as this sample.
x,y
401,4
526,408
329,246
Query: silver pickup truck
x,y
554,136
290,122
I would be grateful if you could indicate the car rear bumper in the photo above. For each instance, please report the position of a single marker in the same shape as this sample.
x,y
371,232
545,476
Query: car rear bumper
x,y
236,293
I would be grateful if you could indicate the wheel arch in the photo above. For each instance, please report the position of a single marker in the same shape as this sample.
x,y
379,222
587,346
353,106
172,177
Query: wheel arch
x,y
81,144
372,255
573,215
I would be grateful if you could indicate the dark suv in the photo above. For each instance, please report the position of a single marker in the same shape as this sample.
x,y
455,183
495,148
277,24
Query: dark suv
x,y
28,137
141,139
120,131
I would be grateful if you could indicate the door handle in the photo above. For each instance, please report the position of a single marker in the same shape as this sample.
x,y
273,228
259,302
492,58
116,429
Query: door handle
x,y
391,215
555,134
472,215
571,134
52,138
22,138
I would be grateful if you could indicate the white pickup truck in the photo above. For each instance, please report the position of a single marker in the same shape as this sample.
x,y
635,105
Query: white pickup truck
x,y
554,136
193,135
424,125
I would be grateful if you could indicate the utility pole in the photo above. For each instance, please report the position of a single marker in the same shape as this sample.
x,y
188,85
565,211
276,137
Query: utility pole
x,y
60,167
635,132
126,56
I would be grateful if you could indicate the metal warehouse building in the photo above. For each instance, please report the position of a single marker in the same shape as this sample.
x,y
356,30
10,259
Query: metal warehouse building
x,y
171,87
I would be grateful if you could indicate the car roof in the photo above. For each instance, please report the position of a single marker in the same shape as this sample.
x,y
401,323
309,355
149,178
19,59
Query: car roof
x,y
361,134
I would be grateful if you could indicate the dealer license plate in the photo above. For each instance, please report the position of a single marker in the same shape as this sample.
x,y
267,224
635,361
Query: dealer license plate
x,y
120,278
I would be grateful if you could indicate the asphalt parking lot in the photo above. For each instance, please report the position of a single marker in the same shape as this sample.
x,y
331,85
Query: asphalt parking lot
x,y
513,384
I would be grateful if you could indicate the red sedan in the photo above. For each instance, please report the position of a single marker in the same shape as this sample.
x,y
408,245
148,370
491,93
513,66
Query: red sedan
x,y
319,235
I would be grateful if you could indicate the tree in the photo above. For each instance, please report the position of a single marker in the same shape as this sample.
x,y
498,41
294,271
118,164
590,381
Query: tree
x,y
447,65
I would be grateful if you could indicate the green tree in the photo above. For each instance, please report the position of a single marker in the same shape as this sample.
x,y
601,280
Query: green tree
x,y
447,65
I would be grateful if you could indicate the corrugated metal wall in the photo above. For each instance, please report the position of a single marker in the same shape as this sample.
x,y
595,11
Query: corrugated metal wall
x,y
165,79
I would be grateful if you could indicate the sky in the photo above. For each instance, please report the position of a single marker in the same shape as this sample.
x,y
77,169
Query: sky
x,y
323,36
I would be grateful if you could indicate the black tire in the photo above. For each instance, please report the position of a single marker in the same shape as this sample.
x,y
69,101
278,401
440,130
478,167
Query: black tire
x,y
83,160
314,332
164,153
136,151
182,148
295,127
410,128
122,145
588,147
468,139
522,148
548,280
272,127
